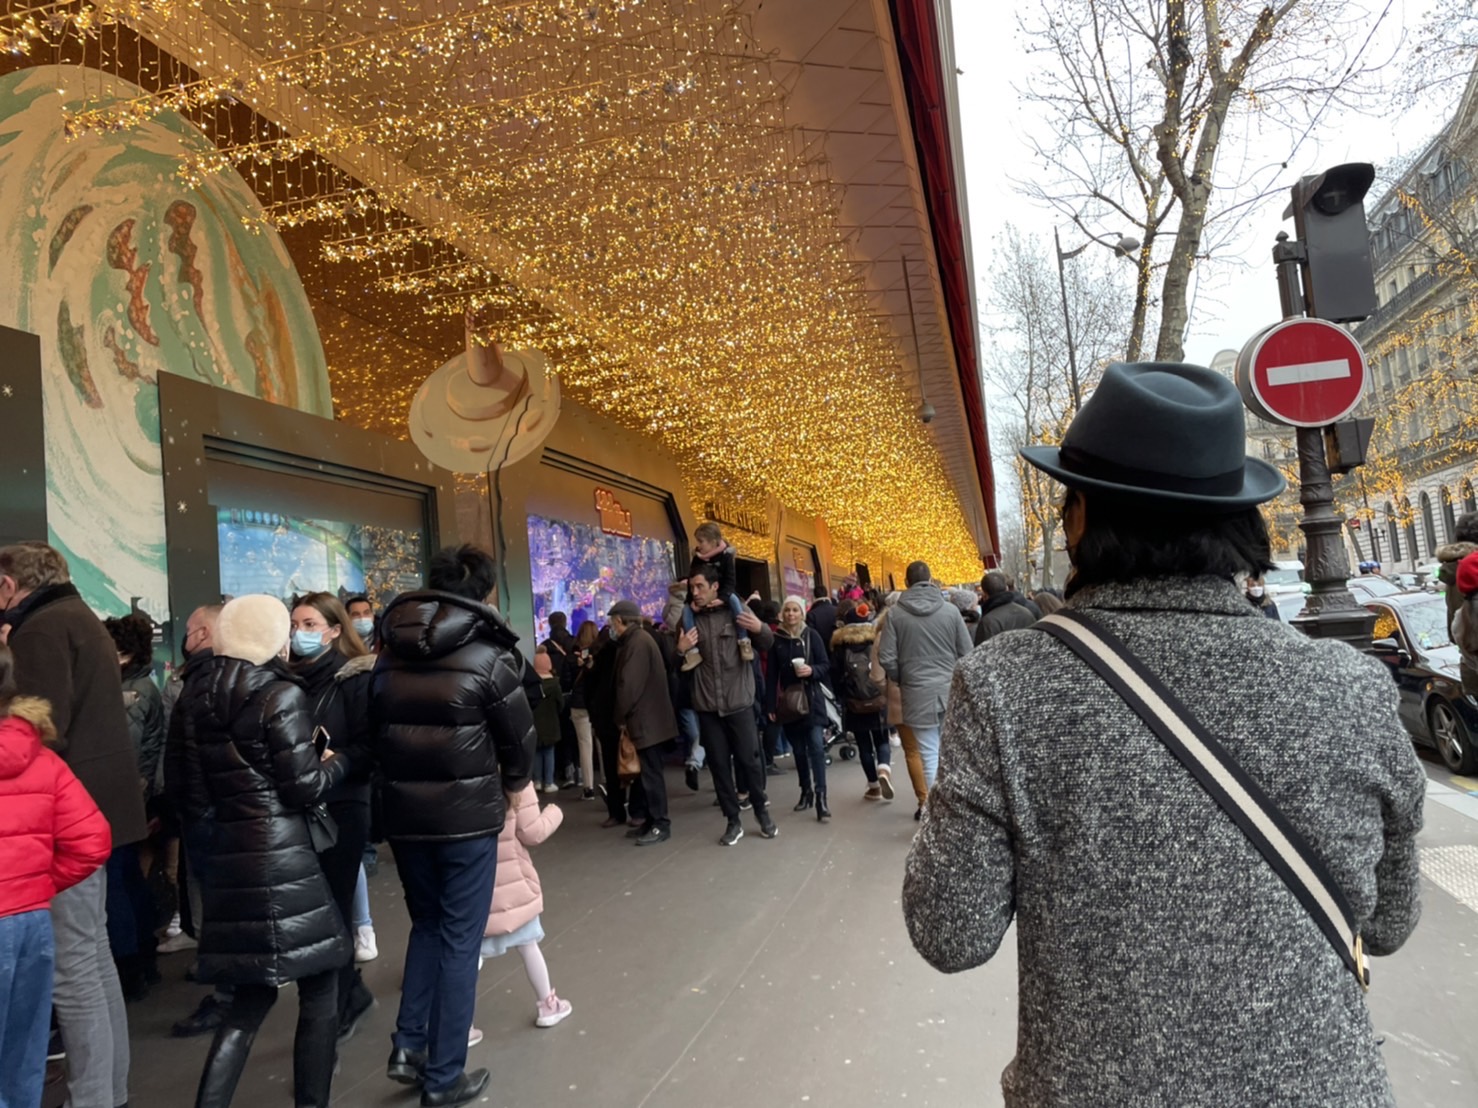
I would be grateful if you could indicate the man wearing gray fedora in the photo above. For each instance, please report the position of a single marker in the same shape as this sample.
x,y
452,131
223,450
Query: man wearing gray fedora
x,y
1200,819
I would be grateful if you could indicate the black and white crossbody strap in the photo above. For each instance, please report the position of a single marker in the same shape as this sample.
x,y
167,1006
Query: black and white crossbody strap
x,y
1284,849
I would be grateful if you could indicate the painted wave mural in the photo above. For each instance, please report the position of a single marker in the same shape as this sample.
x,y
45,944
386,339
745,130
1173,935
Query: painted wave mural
x,y
125,274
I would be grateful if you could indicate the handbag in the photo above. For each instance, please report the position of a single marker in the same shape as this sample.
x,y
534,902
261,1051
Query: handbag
x,y
1240,797
794,700
322,829
628,763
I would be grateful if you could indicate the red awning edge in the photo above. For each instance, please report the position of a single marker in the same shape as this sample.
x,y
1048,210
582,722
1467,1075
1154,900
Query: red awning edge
x,y
916,30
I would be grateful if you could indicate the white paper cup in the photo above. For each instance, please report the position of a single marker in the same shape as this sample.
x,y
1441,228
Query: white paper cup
x,y
798,663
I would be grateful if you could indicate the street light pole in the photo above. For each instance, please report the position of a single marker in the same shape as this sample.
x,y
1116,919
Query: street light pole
x,y
1067,316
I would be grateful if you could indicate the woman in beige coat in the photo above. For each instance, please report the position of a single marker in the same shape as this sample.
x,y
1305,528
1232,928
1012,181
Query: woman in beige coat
x,y
518,901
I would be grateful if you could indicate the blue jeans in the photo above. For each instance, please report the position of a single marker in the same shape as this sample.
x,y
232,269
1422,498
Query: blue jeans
x,y
361,912
544,766
735,605
448,889
928,740
687,723
27,955
809,743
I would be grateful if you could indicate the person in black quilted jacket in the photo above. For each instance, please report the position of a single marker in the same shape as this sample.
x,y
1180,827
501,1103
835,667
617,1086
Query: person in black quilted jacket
x,y
453,733
269,915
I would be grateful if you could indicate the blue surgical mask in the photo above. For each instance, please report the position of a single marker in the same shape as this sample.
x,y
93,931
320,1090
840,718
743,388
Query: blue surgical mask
x,y
364,627
306,644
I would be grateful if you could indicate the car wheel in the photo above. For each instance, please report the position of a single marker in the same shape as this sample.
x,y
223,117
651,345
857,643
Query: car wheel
x,y
1452,738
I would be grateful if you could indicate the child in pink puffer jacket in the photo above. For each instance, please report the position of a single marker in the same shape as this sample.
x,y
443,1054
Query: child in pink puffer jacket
x,y
513,922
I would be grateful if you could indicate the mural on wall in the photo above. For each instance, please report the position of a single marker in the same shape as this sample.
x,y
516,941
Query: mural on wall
x,y
126,273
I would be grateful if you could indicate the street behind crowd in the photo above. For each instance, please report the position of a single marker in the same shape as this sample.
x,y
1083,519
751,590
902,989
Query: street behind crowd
x,y
779,973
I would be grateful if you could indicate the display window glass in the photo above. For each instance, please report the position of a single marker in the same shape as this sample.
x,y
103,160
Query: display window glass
x,y
581,570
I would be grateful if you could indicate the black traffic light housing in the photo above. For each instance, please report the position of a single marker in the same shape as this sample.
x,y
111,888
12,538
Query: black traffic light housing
x,y
1329,219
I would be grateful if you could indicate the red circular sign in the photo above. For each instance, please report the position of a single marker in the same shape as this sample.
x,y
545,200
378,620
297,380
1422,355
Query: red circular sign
x,y
1302,372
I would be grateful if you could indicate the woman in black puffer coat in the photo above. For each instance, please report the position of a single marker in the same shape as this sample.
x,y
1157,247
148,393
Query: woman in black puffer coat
x,y
270,917
335,666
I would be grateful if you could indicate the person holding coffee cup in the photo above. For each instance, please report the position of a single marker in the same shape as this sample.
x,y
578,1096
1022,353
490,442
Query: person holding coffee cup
x,y
799,664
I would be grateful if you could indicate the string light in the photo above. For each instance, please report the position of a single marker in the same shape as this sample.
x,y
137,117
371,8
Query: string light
x,y
636,155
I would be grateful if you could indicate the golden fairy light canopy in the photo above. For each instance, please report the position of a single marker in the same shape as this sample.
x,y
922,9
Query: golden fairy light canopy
x,y
613,181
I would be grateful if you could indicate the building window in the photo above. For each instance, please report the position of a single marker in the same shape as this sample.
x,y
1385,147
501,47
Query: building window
x,y
1408,525
1449,519
1470,502
1429,525
1393,532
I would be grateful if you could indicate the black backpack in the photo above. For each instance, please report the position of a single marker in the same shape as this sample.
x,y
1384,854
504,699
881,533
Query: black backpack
x,y
859,690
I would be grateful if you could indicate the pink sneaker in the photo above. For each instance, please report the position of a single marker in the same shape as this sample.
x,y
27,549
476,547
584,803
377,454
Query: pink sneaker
x,y
551,1010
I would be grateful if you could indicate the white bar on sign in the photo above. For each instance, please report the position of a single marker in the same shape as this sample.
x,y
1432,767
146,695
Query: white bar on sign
x,y
1306,372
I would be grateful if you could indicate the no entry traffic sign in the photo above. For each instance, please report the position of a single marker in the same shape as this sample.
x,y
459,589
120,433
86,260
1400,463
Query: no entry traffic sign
x,y
1302,372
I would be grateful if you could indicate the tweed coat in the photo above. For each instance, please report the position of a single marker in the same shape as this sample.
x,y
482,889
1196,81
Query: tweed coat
x,y
1161,961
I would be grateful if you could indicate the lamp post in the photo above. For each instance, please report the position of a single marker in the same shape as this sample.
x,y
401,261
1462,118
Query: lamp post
x,y
1123,248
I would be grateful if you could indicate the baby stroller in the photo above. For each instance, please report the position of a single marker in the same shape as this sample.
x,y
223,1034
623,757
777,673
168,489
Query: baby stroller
x,y
834,735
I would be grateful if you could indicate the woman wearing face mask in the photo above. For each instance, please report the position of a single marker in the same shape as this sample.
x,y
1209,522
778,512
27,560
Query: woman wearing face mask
x,y
799,657
1257,594
332,662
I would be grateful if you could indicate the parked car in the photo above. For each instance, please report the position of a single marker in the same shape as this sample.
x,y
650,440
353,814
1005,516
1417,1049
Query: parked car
x,y
1289,606
1285,579
1411,638
1371,587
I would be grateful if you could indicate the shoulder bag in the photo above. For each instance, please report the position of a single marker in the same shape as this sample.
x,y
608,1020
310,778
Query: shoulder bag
x,y
794,700
1240,797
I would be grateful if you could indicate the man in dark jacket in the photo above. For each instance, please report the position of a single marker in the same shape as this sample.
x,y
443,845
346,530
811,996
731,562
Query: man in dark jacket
x,y
453,734
723,690
64,656
1003,610
644,708
823,615
185,790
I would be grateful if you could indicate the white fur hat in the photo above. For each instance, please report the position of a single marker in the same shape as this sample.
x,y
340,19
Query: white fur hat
x,y
253,628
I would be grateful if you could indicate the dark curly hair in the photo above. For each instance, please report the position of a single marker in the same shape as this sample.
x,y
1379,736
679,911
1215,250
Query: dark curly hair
x,y
133,635
466,571
1130,540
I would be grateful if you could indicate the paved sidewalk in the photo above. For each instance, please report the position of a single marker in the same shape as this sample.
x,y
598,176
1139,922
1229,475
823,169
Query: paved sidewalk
x,y
773,973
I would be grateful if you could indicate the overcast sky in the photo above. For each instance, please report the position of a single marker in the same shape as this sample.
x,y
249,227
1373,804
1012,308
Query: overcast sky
x,y
1235,300
1239,294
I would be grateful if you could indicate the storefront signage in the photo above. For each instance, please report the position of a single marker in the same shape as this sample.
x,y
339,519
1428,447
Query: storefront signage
x,y
756,523
614,519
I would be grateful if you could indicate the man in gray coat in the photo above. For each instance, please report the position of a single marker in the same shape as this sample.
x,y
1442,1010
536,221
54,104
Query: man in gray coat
x,y
1162,959
922,640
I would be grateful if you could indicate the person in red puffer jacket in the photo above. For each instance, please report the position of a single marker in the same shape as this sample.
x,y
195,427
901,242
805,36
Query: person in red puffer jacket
x,y
52,836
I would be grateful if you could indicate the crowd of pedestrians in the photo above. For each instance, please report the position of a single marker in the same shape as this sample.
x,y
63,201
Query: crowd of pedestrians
x,y
234,812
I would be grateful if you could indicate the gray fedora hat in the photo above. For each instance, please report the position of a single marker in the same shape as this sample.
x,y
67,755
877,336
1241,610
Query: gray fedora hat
x,y
1162,431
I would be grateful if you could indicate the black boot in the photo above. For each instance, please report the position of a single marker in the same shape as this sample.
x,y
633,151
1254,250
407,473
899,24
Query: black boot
x,y
804,802
223,1066
315,1047
823,813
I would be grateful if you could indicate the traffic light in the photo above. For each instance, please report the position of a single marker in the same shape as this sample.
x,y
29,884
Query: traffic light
x,y
1329,219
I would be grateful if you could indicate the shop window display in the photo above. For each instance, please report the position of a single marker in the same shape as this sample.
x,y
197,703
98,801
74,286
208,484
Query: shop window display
x,y
287,556
581,570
